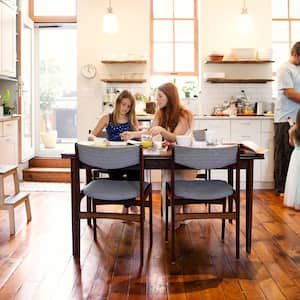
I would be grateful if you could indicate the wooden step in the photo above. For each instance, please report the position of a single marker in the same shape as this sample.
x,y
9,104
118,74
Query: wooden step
x,y
47,174
49,162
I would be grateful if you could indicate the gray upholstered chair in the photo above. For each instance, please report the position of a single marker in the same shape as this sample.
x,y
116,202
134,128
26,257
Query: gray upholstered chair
x,y
210,191
103,191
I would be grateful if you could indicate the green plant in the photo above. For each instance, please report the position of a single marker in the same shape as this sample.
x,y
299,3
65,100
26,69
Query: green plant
x,y
8,105
50,83
188,87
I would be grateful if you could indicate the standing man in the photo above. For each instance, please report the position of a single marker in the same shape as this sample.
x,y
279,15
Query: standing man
x,y
287,104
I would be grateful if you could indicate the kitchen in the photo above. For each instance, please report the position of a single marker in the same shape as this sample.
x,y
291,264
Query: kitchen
x,y
217,31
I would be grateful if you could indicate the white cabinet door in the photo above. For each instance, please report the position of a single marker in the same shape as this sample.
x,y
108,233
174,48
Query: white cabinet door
x,y
220,127
247,130
267,142
9,142
8,41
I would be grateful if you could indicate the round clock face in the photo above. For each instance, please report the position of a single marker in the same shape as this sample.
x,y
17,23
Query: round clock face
x,y
88,71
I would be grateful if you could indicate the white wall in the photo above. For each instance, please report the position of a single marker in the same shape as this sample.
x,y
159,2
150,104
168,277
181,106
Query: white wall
x,y
93,44
218,31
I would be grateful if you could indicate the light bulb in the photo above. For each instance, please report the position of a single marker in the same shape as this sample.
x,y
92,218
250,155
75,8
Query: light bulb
x,y
244,22
110,23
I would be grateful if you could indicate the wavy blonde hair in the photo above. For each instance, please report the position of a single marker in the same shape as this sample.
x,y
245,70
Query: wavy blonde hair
x,y
168,116
131,114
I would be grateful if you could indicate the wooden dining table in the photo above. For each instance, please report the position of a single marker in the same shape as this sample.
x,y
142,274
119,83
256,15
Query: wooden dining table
x,y
158,160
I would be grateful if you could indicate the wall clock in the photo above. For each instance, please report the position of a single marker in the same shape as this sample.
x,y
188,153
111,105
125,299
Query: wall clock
x,y
88,71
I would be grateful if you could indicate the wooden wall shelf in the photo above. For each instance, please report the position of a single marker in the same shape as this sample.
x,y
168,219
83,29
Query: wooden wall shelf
x,y
240,62
116,80
223,80
128,61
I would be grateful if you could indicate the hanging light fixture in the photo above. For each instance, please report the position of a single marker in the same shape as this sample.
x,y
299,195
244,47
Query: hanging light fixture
x,y
110,23
244,20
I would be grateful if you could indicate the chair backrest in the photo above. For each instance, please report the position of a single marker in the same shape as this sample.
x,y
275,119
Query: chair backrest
x,y
110,157
206,158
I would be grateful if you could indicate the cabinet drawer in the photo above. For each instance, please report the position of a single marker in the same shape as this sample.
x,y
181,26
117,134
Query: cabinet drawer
x,y
267,126
221,127
9,129
242,130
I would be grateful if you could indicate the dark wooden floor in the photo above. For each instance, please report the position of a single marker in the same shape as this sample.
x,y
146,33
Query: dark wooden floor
x,y
37,263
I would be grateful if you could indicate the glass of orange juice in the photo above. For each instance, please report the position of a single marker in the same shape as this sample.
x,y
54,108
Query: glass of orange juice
x,y
146,140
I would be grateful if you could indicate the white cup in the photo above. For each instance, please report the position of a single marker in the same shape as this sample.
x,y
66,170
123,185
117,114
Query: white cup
x,y
210,136
1,110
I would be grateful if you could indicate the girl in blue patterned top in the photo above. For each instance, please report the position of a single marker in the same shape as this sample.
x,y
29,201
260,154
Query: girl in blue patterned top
x,y
122,118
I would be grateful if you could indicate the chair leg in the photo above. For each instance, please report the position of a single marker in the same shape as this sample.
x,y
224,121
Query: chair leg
x,y
88,208
237,228
11,214
167,217
28,210
223,220
94,222
150,219
173,233
142,218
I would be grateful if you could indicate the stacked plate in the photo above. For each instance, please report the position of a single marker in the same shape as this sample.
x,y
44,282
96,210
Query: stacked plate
x,y
243,53
265,54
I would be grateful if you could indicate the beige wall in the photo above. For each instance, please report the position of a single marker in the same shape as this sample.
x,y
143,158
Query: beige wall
x,y
217,29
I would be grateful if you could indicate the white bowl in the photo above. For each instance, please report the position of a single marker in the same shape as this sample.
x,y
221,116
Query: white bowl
x,y
184,140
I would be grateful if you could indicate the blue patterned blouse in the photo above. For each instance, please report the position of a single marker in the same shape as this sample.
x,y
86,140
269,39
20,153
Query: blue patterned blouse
x,y
113,131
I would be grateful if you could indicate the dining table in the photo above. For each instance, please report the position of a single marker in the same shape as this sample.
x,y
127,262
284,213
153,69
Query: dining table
x,y
157,160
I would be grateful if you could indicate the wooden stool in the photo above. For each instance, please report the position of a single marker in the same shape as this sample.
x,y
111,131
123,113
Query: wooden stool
x,y
9,202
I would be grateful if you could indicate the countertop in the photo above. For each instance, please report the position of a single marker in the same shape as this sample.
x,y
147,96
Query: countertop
x,y
9,118
204,117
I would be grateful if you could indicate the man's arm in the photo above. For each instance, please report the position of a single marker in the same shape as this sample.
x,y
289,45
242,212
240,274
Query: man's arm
x,y
292,94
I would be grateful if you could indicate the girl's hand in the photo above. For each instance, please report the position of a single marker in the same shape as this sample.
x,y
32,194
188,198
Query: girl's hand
x,y
91,138
127,135
155,130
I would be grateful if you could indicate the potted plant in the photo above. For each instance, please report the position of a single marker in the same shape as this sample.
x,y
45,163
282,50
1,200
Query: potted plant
x,y
188,87
50,81
7,104
47,103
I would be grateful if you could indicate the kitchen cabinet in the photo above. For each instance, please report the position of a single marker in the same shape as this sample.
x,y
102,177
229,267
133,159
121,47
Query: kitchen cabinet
x,y
244,64
239,129
8,141
8,40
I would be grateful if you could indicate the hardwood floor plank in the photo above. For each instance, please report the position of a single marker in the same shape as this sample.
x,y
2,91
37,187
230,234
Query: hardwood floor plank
x,y
37,262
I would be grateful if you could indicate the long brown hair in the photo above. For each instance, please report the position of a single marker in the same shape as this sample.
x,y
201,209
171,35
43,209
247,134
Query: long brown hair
x,y
169,115
131,114
297,128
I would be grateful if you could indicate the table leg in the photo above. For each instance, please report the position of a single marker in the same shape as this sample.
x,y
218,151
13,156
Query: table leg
x,y
249,204
75,201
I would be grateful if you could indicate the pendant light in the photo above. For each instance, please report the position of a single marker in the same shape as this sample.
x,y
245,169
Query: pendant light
x,y
110,23
244,20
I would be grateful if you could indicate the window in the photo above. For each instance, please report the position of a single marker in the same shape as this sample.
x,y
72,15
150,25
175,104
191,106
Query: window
x,y
53,10
174,37
285,28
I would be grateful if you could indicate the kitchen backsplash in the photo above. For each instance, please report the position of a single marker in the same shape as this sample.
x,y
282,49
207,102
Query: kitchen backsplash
x,y
215,94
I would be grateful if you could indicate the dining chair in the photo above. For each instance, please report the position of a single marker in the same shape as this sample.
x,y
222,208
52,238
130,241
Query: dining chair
x,y
212,192
103,191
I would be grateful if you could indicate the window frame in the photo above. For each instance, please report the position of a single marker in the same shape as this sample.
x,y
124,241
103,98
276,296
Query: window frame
x,y
289,20
49,19
196,46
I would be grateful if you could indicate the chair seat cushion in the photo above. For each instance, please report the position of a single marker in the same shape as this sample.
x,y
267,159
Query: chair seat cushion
x,y
202,190
110,190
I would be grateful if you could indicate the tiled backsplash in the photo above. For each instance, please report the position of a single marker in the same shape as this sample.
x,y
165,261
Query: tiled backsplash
x,y
215,94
